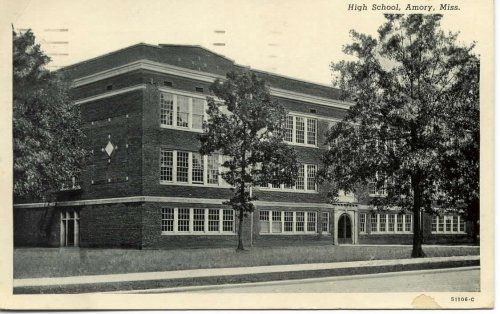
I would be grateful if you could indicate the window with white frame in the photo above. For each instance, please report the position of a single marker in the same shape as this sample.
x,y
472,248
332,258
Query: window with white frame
x,y
180,111
448,224
291,222
362,223
378,191
197,220
389,223
190,168
325,222
301,130
306,180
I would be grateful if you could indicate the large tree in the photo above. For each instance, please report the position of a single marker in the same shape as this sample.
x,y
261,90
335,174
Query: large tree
x,y
247,126
47,134
405,85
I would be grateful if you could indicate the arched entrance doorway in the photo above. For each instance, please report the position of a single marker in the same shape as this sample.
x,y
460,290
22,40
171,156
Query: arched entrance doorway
x,y
344,230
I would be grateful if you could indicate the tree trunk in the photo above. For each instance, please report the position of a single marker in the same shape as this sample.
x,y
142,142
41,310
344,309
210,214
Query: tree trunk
x,y
240,232
418,235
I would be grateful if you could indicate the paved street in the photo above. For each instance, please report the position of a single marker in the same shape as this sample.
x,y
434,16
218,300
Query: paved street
x,y
464,279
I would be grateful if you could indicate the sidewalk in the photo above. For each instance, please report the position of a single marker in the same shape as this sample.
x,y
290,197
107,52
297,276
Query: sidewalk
x,y
214,276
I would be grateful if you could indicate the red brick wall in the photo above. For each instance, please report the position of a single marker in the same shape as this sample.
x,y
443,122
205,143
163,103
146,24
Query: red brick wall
x,y
113,225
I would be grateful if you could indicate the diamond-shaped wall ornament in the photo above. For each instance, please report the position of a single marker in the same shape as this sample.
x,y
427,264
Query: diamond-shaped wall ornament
x,y
109,148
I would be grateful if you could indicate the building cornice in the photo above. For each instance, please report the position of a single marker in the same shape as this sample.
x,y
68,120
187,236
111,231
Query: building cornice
x,y
158,67
163,199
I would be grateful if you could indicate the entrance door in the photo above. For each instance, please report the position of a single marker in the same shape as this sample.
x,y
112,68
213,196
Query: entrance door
x,y
344,232
70,234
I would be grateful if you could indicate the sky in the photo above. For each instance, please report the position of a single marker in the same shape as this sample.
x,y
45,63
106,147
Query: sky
x,y
294,38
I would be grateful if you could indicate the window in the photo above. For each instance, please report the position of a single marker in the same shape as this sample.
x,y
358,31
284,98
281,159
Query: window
x,y
288,129
299,183
213,169
399,219
190,168
277,222
301,130
228,220
181,111
213,220
311,221
166,109
167,83
448,224
373,222
183,219
167,219
199,89
197,168
288,221
299,221
311,177
264,221
325,222
362,223
408,223
198,110
197,220
389,223
182,166
312,125
383,223
304,183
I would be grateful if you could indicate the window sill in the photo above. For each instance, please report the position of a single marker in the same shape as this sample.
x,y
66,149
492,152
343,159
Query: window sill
x,y
198,233
390,232
449,232
288,233
284,190
194,185
171,127
301,145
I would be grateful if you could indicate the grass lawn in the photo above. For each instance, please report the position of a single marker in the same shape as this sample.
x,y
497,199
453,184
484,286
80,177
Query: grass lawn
x,y
55,262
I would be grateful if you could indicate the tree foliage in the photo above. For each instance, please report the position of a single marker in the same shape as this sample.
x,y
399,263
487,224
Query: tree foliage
x,y
408,86
47,134
246,125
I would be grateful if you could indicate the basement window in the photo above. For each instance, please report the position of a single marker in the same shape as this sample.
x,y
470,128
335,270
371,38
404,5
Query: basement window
x,y
312,110
109,87
199,89
167,83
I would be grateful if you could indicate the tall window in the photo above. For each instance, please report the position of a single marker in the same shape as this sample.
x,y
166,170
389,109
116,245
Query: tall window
x,y
301,130
166,166
391,223
408,222
373,222
289,129
166,108
325,222
181,111
182,166
213,169
312,125
197,220
197,168
399,223
277,222
167,219
383,223
198,110
311,177
299,184
362,223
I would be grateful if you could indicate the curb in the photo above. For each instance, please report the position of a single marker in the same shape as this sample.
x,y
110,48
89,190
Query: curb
x,y
257,275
